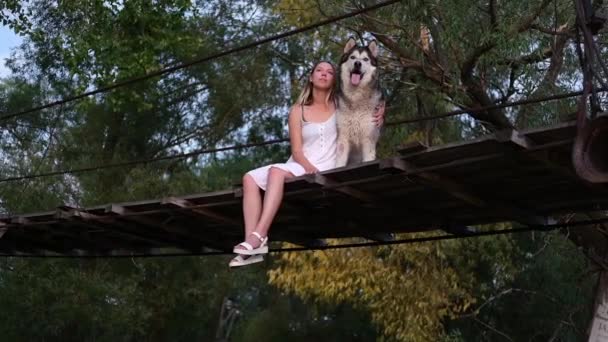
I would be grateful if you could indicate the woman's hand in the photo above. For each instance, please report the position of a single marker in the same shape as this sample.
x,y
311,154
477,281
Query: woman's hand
x,y
309,169
378,117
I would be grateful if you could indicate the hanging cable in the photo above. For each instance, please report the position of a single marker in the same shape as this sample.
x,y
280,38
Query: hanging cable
x,y
543,228
143,161
201,60
284,140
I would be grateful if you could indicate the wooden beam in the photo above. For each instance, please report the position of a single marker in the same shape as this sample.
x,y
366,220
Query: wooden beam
x,y
520,142
20,220
381,237
327,183
53,237
83,230
107,224
123,213
182,203
39,242
459,191
412,147
185,236
457,229
437,181
514,138
110,223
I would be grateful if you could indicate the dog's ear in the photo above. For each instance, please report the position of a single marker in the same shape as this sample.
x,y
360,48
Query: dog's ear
x,y
350,44
373,48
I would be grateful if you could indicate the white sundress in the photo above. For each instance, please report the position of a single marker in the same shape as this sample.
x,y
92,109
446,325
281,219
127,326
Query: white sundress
x,y
319,141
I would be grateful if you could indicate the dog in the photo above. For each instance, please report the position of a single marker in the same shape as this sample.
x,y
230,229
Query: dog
x,y
358,97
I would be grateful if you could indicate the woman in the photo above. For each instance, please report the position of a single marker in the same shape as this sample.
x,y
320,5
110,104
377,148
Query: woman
x,y
312,134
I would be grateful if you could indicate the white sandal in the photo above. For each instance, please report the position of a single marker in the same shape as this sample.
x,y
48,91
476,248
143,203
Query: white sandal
x,y
249,250
240,261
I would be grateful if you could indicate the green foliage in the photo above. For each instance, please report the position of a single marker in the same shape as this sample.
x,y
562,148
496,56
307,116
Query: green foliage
x,y
407,289
121,300
293,320
13,15
464,290
542,300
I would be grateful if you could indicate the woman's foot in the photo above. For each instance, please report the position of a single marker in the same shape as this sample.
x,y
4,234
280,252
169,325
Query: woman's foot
x,y
254,244
244,260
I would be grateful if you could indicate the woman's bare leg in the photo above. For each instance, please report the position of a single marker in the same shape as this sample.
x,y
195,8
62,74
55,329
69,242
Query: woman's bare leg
x,y
252,204
258,217
272,198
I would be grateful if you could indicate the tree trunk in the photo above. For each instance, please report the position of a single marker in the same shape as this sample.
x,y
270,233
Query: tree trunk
x,y
599,324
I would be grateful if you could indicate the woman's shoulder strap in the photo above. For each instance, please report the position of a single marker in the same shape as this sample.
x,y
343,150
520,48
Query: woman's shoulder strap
x,y
302,116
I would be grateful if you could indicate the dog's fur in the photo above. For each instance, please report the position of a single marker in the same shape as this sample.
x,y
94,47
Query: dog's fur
x,y
358,97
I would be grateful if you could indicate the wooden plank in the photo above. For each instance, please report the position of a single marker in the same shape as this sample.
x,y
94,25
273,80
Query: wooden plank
x,y
113,231
381,237
453,188
513,137
353,171
39,242
41,234
8,245
121,211
521,142
412,147
210,197
457,229
187,238
28,215
83,231
3,229
560,131
460,191
83,239
325,182
20,221
182,203
97,222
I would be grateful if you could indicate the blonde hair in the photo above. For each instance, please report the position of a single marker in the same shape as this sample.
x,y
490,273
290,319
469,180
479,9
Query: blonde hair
x,y
305,97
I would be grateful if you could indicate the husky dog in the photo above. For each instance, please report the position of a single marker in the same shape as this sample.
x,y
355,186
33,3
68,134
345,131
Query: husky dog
x,y
358,97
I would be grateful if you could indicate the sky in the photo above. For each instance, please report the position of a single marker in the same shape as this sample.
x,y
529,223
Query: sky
x,y
8,40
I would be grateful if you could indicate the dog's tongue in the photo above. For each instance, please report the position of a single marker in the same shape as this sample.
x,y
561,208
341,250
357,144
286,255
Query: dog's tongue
x,y
355,79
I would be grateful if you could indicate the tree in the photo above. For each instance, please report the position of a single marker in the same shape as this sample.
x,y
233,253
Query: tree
x,y
436,56
74,46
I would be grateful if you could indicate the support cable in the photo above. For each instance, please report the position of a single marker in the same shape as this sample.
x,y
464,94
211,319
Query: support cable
x,y
283,140
531,228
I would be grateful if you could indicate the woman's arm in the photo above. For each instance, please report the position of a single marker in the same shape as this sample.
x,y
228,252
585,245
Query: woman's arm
x,y
295,138
378,117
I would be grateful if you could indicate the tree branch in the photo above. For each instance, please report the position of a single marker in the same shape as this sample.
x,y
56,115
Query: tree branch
x,y
551,31
492,11
548,82
492,329
432,73
533,58
470,62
